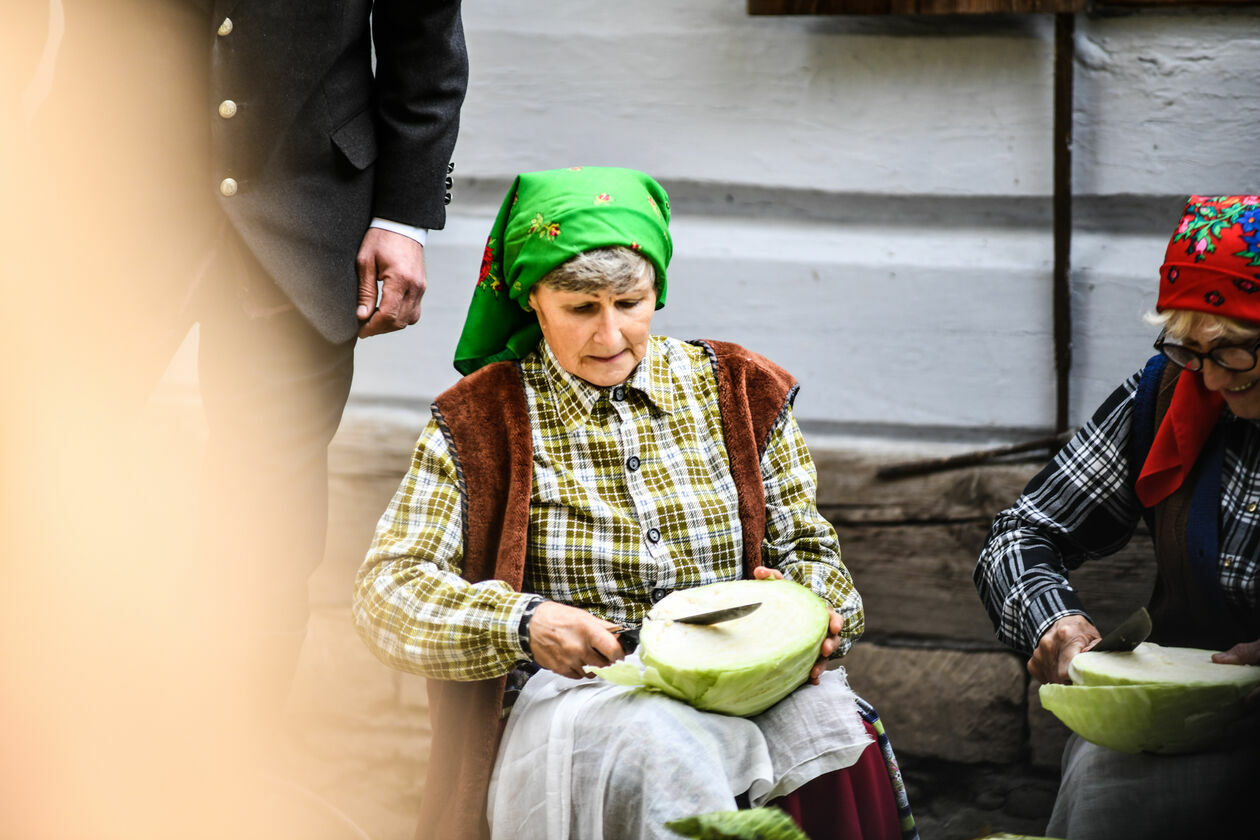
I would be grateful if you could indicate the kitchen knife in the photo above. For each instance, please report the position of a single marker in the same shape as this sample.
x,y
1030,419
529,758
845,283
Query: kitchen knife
x,y
629,635
718,616
1128,634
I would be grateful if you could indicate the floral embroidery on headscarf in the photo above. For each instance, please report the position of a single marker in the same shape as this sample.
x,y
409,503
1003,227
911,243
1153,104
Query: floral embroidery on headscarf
x,y
1202,224
486,277
543,228
1249,221
603,198
1245,285
655,209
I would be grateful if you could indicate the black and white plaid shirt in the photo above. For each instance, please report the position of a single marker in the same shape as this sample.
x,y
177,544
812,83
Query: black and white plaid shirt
x,y
1083,507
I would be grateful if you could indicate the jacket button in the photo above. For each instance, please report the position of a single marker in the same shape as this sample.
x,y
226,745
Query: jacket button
x,y
446,199
225,28
228,187
653,535
1251,508
450,167
227,109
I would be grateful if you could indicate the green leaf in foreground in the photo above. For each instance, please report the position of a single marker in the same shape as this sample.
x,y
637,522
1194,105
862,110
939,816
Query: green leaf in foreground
x,y
754,824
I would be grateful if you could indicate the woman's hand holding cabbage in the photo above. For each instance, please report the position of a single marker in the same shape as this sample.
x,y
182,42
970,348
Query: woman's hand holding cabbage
x,y
832,640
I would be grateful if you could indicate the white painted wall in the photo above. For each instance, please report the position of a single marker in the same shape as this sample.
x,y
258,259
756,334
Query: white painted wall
x,y
826,133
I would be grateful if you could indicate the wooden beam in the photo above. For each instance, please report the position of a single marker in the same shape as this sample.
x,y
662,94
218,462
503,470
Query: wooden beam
x,y
1064,59
972,7
911,7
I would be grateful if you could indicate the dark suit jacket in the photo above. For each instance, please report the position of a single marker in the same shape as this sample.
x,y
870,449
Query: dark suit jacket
x,y
318,145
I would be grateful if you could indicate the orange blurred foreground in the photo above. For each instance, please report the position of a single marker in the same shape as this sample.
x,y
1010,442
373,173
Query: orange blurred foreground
x,y
130,700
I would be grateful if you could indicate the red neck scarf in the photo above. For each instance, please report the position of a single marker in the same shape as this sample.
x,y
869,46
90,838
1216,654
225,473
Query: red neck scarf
x,y
1212,265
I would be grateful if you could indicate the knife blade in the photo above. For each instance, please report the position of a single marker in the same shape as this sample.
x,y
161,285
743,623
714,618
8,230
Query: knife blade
x,y
718,616
1128,634
628,634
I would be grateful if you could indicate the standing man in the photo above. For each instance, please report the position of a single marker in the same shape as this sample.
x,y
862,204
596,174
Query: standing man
x,y
327,176
265,169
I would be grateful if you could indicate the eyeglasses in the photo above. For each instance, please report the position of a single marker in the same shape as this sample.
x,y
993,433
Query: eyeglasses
x,y
1235,357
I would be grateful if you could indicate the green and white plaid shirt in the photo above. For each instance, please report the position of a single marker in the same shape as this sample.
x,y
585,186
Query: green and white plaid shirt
x,y
632,498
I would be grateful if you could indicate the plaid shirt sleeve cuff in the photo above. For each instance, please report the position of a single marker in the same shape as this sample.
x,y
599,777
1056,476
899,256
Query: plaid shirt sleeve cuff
x,y
1047,608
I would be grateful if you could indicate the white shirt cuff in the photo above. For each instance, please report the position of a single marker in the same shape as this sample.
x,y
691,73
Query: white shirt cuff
x,y
419,234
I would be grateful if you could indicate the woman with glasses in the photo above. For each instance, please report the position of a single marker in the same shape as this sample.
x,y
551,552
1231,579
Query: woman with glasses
x,y
1178,444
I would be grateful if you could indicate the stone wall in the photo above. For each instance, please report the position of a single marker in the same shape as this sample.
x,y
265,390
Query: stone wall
x,y
977,751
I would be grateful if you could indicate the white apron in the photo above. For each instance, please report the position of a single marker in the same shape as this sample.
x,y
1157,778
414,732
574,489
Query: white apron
x,y
588,760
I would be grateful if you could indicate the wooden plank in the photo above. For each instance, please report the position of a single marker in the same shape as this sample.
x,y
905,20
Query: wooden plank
x,y
972,7
915,581
851,493
962,706
1171,4
911,7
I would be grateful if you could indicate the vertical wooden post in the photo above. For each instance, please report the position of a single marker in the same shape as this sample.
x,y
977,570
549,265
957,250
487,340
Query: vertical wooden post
x,y
1064,58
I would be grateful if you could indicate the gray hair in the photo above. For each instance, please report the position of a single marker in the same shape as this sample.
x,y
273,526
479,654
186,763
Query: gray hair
x,y
1178,324
617,269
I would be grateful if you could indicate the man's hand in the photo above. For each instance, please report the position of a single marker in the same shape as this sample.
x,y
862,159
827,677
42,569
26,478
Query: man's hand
x,y
564,639
829,643
396,263
1067,637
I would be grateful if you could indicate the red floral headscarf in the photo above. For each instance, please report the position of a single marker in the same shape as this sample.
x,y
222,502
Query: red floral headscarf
x,y
1212,265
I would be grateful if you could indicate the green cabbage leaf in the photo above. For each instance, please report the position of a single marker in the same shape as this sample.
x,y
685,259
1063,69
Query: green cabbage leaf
x,y
753,824
1153,699
740,667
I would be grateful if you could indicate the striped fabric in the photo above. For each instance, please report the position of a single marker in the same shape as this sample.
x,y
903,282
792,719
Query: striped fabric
x,y
1083,507
908,829
632,498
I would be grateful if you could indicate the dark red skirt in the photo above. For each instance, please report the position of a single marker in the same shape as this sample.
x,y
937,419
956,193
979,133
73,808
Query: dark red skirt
x,y
856,803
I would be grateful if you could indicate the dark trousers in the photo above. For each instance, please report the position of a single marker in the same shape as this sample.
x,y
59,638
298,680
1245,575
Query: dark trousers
x,y
273,390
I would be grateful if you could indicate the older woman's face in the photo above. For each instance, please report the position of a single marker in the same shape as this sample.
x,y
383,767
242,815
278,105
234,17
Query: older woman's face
x,y
599,337
1237,387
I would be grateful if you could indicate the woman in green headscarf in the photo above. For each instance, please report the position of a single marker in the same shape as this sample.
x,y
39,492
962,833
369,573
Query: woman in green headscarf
x,y
582,470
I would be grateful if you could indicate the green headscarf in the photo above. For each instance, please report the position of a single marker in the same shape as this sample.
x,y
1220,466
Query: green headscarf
x,y
546,219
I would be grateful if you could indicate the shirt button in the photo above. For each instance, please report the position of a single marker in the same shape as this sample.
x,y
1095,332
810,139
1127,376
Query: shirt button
x,y
658,594
225,28
1251,508
228,187
653,535
619,393
1228,563
227,109
632,463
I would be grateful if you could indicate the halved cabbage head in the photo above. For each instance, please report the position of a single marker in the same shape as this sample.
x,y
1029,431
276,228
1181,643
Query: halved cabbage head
x,y
1152,699
740,667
